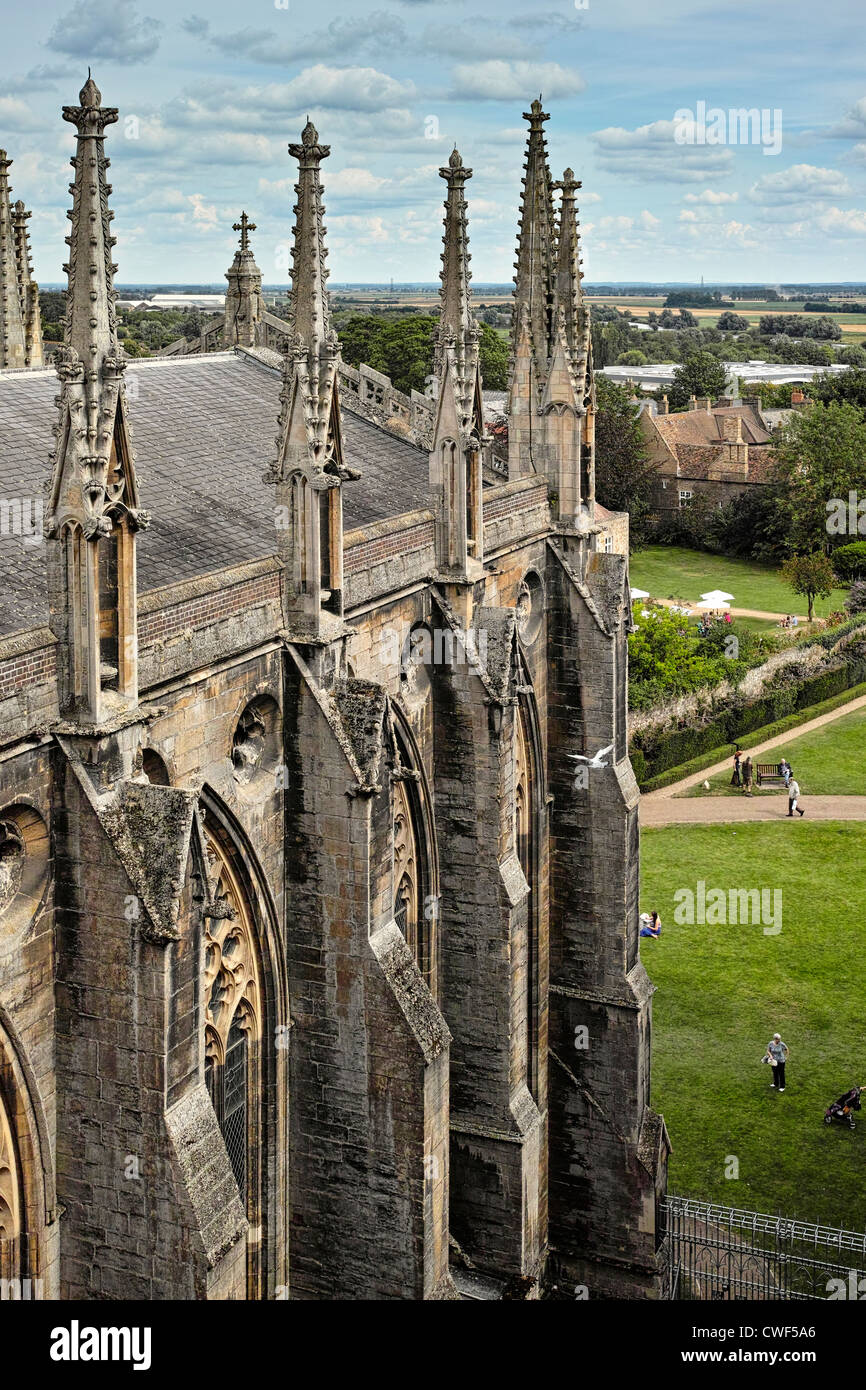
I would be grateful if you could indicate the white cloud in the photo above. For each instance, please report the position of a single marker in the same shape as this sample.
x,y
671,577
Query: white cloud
x,y
710,196
349,89
839,222
853,127
353,182
110,29
497,80
800,183
17,115
341,38
651,153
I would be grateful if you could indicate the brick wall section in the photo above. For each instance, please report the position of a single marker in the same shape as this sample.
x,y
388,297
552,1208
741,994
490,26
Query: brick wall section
x,y
207,609
514,512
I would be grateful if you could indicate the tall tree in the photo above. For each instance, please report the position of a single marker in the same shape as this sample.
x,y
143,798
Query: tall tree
x,y
701,374
821,457
624,475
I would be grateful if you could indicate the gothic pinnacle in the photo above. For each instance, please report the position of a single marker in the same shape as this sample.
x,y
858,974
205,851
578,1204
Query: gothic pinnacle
x,y
568,295
13,344
457,333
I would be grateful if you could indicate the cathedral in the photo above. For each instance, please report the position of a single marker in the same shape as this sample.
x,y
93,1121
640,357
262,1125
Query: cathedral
x,y
319,972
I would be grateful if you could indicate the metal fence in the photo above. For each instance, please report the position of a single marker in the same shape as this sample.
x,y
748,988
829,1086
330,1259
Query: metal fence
x,y
717,1252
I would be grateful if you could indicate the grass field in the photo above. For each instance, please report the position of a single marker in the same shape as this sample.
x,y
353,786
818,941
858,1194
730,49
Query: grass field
x,y
669,571
751,309
723,991
831,761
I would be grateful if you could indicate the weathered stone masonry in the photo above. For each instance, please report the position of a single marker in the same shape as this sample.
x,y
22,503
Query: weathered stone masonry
x,y
304,907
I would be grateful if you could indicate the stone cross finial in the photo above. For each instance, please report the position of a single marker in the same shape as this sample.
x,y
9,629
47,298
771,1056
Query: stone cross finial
x,y
245,226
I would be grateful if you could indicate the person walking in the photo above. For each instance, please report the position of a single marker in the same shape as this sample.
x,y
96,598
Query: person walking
x,y
785,769
794,797
747,776
777,1055
736,780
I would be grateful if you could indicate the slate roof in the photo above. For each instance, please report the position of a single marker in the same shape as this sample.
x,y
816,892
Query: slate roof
x,y
698,427
203,431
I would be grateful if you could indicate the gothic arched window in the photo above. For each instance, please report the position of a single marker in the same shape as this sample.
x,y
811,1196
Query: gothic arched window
x,y
10,1200
233,1002
525,849
415,905
408,898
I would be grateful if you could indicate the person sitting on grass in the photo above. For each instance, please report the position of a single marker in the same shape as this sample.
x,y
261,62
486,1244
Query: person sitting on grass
x,y
651,925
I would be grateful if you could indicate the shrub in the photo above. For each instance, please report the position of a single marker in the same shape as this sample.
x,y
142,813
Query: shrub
x,y
856,600
849,561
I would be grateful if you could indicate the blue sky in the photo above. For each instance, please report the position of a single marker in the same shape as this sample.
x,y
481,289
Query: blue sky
x,y
211,93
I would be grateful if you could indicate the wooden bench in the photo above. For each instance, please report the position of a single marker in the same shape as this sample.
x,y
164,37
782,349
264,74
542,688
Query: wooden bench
x,y
769,775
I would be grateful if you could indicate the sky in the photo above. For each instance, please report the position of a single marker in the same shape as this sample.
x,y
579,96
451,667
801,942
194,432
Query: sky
x,y
639,94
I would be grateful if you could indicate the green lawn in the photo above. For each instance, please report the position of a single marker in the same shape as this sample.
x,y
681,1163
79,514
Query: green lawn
x,y
831,761
722,991
670,571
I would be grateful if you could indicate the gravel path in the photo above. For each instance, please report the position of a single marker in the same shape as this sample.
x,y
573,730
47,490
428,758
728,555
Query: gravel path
x,y
668,807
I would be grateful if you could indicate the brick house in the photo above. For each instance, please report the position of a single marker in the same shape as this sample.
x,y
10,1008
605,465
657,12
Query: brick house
x,y
713,450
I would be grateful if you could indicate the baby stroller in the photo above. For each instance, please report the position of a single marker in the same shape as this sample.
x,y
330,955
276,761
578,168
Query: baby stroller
x,y
843,1108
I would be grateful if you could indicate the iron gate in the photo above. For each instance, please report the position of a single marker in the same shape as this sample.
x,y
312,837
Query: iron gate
x,y
717,1252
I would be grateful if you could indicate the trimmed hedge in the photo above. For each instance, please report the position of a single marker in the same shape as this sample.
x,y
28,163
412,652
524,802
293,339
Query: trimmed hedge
x,y
781,726
652,754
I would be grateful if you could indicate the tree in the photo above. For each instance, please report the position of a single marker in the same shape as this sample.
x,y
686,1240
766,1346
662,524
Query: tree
x,y
809,575
701,374
847,386
493,355
730,322
632,358
624,475
821,457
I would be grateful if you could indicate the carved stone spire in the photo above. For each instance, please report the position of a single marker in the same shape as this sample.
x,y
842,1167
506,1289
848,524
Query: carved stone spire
x,y
28,288
310,314
532,323
245,307
309,467
457,334
13,338
94,510
535,240
568,291
458,429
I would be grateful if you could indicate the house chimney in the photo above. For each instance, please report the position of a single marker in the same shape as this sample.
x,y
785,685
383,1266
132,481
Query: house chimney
x,y
693,402
797,396
664,408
